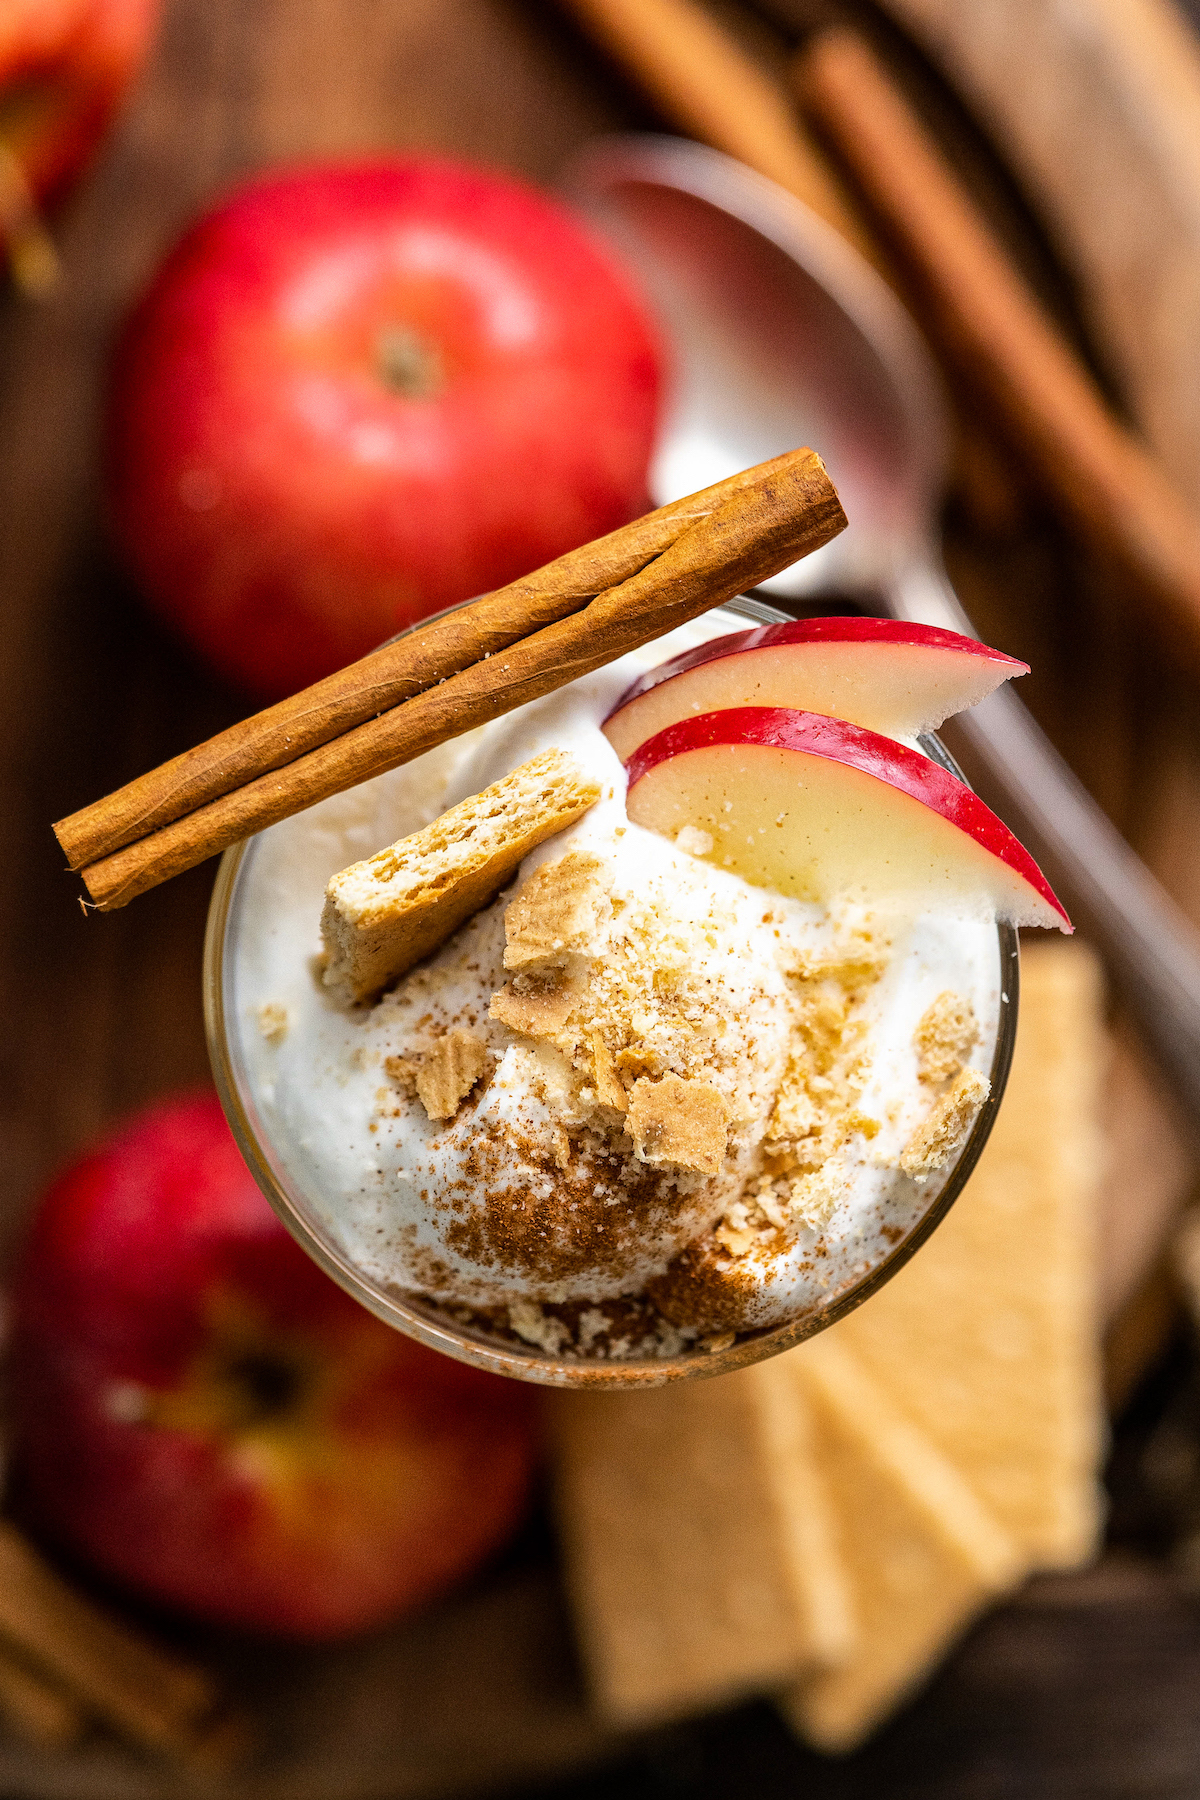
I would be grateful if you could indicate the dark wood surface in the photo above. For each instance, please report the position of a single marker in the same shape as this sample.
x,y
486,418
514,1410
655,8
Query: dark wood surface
x,y
1086,1687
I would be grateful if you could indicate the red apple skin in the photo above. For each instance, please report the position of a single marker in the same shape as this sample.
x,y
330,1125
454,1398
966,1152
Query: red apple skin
x,y
813,734
281,504
871,636
65,66
202,1415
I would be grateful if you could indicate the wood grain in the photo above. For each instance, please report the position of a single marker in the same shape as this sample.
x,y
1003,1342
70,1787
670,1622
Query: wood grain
x,y
1086,1690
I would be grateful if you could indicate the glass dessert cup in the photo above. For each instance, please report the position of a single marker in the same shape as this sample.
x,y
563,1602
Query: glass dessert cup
x,y
437,1325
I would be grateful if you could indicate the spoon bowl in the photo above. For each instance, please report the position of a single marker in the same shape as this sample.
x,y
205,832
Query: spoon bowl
x,y
778,335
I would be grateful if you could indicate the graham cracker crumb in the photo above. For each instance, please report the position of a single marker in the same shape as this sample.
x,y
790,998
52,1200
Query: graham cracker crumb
x,y
609,1091
815,1110
273,1021
403,1071
813,1198
716,1340
385,914
946,1034
558,914
533,1326
694,841
536,1009
678,1121
738,1238
951,1117
447,1073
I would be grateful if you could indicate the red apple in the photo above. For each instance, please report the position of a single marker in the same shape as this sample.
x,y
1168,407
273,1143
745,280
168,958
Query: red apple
x,y
355,395
64,67
893,677
814,807
205,1417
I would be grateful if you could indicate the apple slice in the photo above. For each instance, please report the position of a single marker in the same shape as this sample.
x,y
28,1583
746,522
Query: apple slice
x,y
882,673
814,807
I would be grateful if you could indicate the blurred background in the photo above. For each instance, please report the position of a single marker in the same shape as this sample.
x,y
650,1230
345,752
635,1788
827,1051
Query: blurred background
x,y
1077,134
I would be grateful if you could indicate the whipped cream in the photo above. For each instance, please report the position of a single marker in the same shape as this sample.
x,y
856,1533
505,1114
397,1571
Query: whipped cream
x,y
556,1201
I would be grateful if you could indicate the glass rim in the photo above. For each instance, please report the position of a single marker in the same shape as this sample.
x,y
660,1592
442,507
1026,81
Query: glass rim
x,y
423,1320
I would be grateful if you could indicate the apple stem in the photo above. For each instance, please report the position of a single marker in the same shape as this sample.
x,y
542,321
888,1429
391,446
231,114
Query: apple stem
x,y
33,259
410,364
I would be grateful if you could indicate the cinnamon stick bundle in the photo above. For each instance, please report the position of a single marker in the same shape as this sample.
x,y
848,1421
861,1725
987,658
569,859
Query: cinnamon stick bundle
x,y
143,1693
719,542
392,674
991,327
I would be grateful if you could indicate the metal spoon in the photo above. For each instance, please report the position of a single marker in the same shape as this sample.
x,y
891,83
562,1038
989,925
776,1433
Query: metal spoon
x,y
781,334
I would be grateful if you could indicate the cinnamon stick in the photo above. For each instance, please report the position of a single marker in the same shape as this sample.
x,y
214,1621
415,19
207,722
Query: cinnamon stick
x,y
35,1710
700,78
992,328
760,528
144,1694
392,674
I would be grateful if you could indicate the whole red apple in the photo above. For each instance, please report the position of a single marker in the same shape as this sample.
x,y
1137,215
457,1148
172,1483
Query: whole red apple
x,y
355,395
64,67
205,1417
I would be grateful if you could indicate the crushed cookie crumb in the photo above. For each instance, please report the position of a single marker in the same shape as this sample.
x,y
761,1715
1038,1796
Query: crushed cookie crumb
x,y
693,841
273,1021
680,1122
609,1091
447,1073
559,914
946,1033
536,1009
813,1198
533,1326
403,1071
950,1119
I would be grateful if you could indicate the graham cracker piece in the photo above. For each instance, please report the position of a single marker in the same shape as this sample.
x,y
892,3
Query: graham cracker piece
x,y
946,1033
950,1119
447,1073
403,1071
678,1121
273,1021
556,917
384,914
988,1339
535,1008
697,1543
609,1091
922,1552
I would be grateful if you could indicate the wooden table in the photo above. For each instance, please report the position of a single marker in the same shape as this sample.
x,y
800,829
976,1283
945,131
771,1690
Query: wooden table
x,y
1088,1686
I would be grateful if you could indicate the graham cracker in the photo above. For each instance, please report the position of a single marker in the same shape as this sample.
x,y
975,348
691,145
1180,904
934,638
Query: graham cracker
x,y
555,918
951,1117
448,1072
678,1122
946,1033
698,1543
923,1554
384,914
988,1339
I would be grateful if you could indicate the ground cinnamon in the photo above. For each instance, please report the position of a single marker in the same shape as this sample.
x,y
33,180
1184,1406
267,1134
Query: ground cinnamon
x,y
778,516
281,734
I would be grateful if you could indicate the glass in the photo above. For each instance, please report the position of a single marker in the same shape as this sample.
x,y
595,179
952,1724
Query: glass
x,y
429,1323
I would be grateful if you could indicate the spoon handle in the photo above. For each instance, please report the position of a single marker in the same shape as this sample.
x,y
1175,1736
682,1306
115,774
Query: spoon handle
x,y
1151,947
